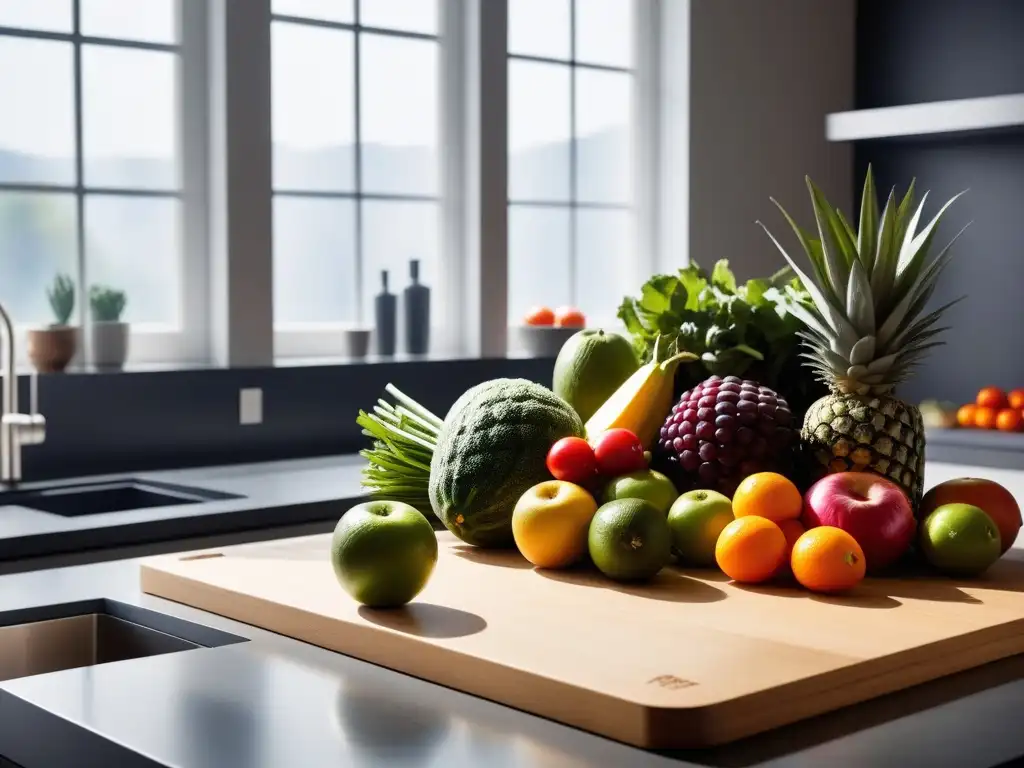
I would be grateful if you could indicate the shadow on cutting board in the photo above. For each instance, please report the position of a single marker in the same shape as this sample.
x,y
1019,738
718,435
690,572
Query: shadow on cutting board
x,y
425,620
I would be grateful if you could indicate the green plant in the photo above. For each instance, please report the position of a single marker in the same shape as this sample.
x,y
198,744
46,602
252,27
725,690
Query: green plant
x,y
62,298
107,303
737,329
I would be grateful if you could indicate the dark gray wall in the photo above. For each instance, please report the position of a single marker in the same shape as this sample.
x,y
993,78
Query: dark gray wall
x,y
130,422
912,51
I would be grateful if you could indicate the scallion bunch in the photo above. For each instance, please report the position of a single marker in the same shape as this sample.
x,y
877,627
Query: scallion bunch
x,y
404,438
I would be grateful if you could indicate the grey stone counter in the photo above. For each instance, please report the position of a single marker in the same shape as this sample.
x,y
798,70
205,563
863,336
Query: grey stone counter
x,y
273,702
272,494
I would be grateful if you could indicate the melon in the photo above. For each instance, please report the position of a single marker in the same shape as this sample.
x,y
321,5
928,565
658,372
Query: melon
x,y
491,449
591,365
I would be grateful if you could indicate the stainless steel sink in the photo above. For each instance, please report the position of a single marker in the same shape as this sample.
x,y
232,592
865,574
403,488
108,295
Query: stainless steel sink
x,y
113,496
56,638
78,641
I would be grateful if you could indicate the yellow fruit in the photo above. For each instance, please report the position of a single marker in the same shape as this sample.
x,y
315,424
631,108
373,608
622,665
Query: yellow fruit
x,y
550,523
641,403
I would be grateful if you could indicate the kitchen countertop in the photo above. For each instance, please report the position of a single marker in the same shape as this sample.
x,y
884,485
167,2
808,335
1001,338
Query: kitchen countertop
x,y
271,494
273,702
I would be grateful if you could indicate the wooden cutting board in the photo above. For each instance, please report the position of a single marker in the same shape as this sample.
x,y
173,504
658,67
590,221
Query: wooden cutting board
x,y
688,660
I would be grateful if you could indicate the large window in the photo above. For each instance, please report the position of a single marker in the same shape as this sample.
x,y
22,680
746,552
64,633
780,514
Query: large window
x,y
570,87
355,159
90,179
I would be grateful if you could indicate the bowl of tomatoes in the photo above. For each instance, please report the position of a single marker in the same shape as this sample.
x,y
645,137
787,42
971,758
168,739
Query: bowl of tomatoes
x,y
544,330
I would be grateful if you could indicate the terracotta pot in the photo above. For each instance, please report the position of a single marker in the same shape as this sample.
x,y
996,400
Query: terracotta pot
x,y
109,344
51,349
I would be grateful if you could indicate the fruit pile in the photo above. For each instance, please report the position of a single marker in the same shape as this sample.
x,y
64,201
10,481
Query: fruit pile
x,y
994,409
610,467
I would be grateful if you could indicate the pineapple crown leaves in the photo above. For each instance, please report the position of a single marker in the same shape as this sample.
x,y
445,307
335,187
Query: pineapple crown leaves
x,y
868,288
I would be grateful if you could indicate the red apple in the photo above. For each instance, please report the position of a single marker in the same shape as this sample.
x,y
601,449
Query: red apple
x,y
872,509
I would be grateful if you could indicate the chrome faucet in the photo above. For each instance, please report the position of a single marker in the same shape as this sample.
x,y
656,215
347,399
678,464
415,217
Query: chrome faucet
x,y
16,429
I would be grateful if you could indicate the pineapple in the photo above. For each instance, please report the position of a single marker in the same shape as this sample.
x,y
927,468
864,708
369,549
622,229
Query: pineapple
x,y
864,335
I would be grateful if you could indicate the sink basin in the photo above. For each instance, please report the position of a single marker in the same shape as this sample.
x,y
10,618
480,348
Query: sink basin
x,y
95,632
114,496
78,641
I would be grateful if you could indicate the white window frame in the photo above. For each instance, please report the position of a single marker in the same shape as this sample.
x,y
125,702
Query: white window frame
x,y
325,340
148,344
224,75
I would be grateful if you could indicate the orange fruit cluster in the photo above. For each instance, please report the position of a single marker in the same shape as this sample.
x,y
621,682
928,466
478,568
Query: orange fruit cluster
x,y
994,409
767,540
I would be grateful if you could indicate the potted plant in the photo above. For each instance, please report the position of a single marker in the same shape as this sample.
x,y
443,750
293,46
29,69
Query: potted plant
x,y
109,334
51,349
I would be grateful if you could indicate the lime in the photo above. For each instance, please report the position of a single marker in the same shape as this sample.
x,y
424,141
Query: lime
x,y
960,539
629,539
647,485
383,553
696,519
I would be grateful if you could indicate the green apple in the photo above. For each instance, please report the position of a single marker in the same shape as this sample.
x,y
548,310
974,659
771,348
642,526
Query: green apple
x,y
383,553
646,485
697,519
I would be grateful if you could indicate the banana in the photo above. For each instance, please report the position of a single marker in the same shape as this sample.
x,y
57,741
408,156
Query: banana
x,y
642,402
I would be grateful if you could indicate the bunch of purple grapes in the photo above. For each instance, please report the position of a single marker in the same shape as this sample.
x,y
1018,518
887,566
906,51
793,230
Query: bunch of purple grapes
x,y
723,430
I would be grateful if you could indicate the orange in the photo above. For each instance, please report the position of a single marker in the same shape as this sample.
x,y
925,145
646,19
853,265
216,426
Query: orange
x,y
1009,420
827,559
992,397
569,317
792,530
985,417
767,494
1016,399
750,549
965,416
539,316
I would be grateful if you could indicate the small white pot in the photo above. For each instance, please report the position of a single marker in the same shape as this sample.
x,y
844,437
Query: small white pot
x,y
109,344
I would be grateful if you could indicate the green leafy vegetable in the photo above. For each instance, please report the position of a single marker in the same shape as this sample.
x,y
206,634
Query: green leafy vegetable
x,y
736,329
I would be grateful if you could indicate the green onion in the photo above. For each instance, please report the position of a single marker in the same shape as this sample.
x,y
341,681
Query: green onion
x,y
403,438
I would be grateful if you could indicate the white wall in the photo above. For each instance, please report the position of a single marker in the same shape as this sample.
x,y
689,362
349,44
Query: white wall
x,y
758,81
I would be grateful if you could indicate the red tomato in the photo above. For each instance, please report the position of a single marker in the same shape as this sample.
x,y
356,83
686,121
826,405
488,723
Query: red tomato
x,y
619,452
569,317
572,459
539,316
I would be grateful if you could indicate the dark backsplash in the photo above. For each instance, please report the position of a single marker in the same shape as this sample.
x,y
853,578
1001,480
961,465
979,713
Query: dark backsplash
x,y
131,422
913,51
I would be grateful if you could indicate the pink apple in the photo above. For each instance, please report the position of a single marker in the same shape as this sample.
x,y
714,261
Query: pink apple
x,y
872,509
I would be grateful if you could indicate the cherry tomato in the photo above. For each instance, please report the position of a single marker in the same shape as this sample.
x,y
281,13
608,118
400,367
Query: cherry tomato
x,y
572,459
619,452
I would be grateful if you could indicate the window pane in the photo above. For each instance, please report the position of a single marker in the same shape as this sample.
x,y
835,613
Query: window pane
x,y
325,10
153,20
538,259
50,15
37,85
399,115
394,233
603,108
411,15
604,32
134,244
314,261
130,124
313,118
37,241
604,255
539,131
539,28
